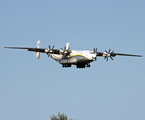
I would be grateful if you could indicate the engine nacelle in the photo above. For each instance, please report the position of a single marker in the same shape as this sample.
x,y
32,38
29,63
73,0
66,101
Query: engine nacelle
x,y
37,55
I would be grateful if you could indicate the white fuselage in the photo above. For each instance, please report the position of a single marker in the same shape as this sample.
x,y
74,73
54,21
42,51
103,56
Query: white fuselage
x,y
89,55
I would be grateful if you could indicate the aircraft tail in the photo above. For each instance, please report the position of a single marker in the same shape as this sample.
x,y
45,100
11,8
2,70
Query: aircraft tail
x,y
67,46
38,46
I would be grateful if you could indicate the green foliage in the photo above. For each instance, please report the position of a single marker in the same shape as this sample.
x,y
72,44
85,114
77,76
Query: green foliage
x,y
59,117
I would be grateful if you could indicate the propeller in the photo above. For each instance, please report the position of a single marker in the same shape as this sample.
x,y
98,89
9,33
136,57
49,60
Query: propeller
x,y
95,52
65,51
108,54
50,50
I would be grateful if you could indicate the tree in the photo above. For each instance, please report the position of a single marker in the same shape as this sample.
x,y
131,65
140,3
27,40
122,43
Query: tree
x,y
59,117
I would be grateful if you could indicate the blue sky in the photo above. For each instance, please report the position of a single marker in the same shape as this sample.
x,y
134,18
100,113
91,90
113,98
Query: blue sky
x,y
32,89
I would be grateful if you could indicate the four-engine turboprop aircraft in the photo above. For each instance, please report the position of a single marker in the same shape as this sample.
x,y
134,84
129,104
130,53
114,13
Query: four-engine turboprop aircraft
x,y
67,57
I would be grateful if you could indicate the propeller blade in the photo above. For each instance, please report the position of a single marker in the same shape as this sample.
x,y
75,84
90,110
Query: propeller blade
x,y
52,47
111,58
106,51
112,52
107,59
109,50
64,48
49,47
94,50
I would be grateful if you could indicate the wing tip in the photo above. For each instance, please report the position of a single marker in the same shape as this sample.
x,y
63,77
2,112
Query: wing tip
x,y
139,55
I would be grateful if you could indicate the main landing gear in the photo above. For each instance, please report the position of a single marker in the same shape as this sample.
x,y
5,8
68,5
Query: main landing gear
x,y
66,65
83,65
77,66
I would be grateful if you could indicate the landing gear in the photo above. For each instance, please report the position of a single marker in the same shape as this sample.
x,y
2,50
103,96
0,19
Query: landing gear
x,y
66,65
77,66
83,65
88,65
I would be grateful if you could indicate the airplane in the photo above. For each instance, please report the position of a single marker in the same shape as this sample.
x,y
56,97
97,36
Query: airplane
x,y
67,57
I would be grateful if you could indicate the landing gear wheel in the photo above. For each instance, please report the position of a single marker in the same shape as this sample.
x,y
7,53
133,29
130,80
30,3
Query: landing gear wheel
x,y
88,65
81,66
66,65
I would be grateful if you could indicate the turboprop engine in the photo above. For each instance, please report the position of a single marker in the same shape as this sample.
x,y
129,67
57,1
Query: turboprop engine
x,y
38,46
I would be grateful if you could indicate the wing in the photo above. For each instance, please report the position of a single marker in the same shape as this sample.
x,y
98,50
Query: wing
x,y
114,54
108,54
29,49
121,54
42,50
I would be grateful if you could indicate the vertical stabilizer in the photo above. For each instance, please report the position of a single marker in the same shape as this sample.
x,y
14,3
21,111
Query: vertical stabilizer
x,y
38,46
67,46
